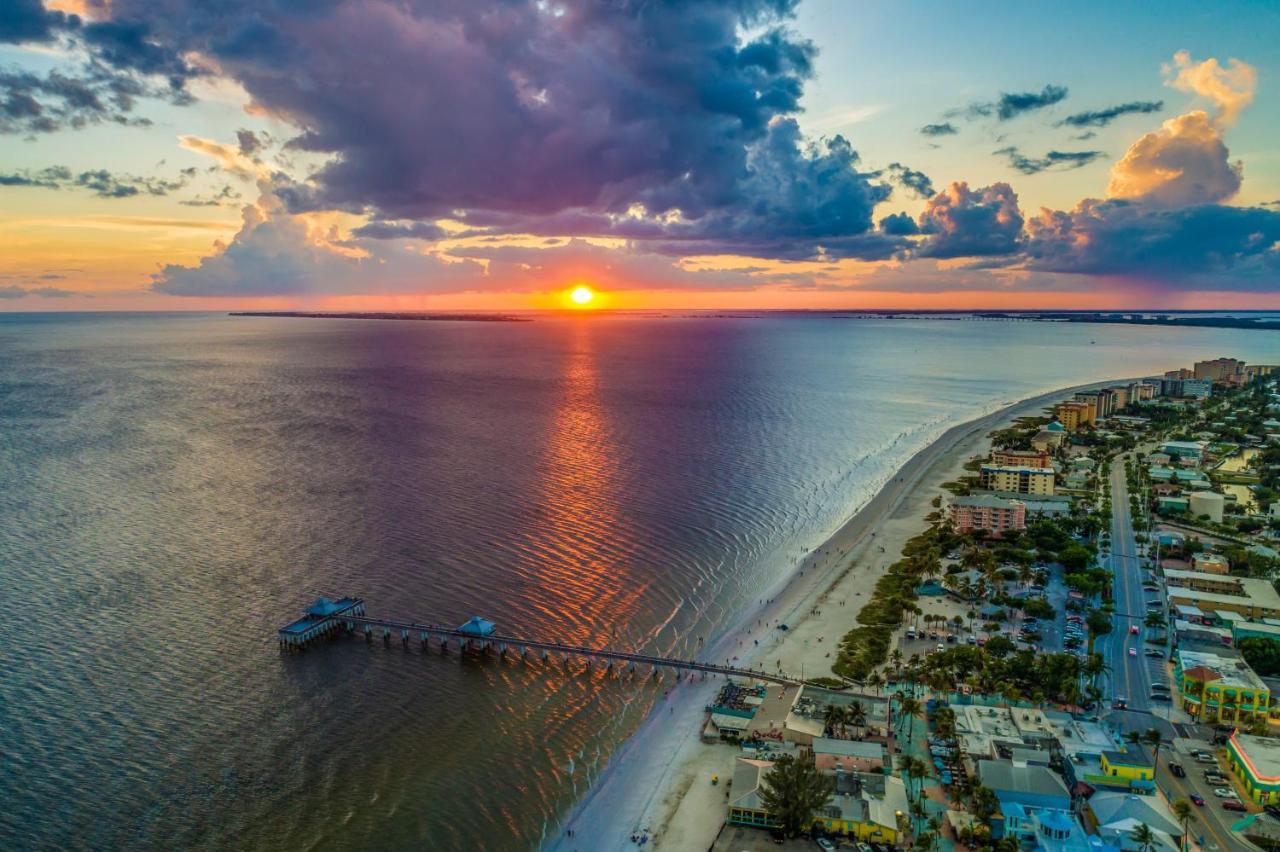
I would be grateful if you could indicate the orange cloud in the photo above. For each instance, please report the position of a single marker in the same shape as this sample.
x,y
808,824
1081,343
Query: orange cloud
x,y
1184,162
1230,88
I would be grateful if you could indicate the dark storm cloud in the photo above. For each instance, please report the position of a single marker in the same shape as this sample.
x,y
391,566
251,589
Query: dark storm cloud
x,y
1103,117
899,225
400,230
1235,245
916,181
521,110
1053,160
24,21
964,222
249,142
944,129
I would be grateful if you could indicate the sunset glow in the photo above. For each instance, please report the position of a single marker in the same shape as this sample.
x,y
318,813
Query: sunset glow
x,y
582,296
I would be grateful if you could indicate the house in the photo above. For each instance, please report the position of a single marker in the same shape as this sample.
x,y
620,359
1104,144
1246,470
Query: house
x,y
1031,787
1183,449
1134,764
745,805
1114,817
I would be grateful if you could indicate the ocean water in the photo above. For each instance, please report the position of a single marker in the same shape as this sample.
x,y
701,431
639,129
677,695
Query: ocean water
x,y
174,488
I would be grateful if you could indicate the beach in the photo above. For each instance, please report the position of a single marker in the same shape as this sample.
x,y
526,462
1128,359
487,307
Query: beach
x,y
659,782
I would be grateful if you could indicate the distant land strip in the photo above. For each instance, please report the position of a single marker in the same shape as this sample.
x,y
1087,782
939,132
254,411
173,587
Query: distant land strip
x,y
1260,323
383,315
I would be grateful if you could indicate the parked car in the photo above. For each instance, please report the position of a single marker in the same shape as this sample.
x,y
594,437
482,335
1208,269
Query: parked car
x,y
1197,799
1176,769
1224,793
826,845
1274,810
1233,805
1154,652
1158,696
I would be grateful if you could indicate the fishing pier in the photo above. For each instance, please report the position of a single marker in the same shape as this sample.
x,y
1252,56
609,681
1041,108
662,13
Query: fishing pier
x,y
326,618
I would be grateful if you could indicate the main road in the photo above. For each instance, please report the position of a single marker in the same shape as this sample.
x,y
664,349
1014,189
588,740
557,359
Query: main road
x,y
1131,676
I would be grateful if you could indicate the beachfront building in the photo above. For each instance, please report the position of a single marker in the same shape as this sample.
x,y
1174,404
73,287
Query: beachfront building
x,y
1219,370
1017,480
848,755
1030,796
1021,458
1252,598
1213,687
995,515
1074,416
1256,762
865,807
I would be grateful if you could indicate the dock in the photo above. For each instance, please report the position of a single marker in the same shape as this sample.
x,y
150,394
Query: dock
x,y
327,618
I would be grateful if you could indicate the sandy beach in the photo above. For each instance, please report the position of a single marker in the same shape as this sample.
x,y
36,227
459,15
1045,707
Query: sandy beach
x,y
659,781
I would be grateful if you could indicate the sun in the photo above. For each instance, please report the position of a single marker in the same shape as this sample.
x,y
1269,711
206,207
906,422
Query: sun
x,y
582,296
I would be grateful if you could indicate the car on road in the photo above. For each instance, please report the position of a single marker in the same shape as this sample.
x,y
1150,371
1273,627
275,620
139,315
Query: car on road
x,y
826,845
1119,703
941,648
1197,799
1233,805
1133,652
1176,769
1133,628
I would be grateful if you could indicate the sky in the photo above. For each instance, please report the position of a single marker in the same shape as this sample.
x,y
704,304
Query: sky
x,y
461,154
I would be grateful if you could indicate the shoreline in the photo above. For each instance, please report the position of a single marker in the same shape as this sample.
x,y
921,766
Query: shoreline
x,y
658,780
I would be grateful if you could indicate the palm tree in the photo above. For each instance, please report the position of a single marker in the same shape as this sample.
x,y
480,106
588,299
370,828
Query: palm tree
x,y
1144,837
1155,620
1184,813
876,681
794,792
908,708
832,718
856,714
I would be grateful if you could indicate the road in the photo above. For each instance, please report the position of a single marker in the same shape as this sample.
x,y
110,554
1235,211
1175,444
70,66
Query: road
x,y
1130,677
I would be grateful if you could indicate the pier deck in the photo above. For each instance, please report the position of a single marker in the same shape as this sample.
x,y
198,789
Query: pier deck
x,y
477,634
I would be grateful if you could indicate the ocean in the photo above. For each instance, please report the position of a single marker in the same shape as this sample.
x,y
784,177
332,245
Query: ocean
x,y
175,487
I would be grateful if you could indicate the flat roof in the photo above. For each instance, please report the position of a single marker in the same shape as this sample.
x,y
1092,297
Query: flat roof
x,y
1257,593
1233,671
848,748
1263,753
1179,574
1004,776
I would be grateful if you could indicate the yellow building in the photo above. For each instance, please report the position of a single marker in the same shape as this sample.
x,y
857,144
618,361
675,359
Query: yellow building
x,y
1019,480
1135,764
1219,689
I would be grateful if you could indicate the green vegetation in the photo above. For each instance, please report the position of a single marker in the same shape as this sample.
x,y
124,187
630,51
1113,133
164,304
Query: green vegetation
x,y
1262,655
793,792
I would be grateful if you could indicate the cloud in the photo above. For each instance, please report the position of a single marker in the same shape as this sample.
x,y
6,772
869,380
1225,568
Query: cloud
x,y
1053,160
899,224
28,21
916,181
963,222
1212,245
1184,162
944,129
1103,117
678,116
229,158
101,182
1230,88
15,292
1010,105
249,142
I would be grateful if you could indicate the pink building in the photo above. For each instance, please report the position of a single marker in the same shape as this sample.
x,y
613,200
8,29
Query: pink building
x,y
988,512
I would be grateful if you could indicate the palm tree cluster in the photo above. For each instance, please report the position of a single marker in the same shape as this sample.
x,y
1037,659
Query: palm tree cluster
x,y
1016,675
837,719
